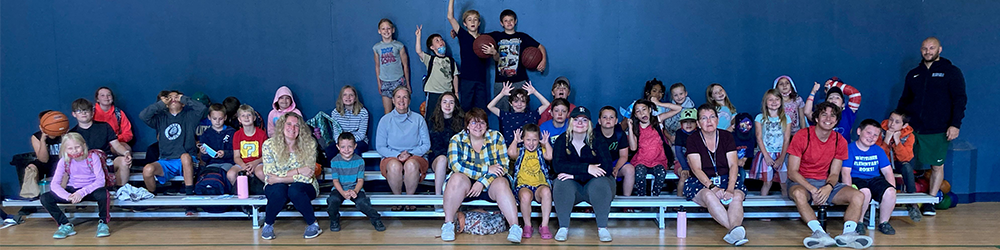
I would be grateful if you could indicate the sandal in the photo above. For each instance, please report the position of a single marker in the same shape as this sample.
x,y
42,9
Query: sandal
x,y
396,208
410,208
544,231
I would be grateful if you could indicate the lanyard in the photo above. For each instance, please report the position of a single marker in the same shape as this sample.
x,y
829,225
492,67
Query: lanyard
x,y
711,153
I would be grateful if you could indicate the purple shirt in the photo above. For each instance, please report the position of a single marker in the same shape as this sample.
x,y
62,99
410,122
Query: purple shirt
x,y
85,175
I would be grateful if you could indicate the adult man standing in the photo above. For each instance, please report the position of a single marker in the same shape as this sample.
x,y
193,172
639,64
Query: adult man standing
x,y
934,96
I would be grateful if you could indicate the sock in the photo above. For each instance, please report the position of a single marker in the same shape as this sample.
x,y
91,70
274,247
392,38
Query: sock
x,y
850,226
189,190
815,226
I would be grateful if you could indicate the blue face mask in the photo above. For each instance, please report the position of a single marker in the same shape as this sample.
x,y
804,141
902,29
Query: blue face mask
x,y
441,50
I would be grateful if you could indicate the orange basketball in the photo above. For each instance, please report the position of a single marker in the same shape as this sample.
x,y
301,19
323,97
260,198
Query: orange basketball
x,y
483,39
531,57
54,123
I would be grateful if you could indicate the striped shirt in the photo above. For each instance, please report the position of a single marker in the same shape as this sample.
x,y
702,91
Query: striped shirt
x,y
347,171
463,159
357,124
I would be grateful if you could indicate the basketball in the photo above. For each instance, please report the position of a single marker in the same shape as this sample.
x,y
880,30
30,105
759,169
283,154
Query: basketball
x,y
531,57
54,123
945,186
483,39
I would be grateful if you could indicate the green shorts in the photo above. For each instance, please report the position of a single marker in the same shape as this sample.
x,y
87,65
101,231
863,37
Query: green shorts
x,y
930,150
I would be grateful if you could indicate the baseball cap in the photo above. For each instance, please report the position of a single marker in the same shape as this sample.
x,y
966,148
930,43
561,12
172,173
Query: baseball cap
x,y
580,110
689,114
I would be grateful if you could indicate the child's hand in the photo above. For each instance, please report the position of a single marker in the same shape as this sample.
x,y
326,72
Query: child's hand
x,y
545,137
419,27
779,162
527,87
895,135
767,160
489,49
507,87
201,149
816,87
75,197
517,136
541,65
564,176
219,154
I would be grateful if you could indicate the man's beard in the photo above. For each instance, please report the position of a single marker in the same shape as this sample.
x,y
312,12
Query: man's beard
x,y
935,58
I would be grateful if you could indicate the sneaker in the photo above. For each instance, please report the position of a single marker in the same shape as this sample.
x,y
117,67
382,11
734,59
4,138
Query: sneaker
x,y
448,231
561,234
527,232
928,210
268,232
545,233
853,240
604,235
64,231
312,231
737,236
514,234
9,223
861,229
886,229
377,223
103,230
334,225
914,213
819,239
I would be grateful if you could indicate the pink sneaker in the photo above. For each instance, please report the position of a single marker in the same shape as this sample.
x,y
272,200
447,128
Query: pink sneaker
x,y
544,231
527,232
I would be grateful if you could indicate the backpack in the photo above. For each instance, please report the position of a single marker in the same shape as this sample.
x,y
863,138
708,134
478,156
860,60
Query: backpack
x,y
212,181
109,173
430,67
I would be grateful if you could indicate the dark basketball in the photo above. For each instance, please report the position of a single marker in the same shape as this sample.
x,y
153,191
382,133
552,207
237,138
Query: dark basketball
x,y
54,123
531,57
483,39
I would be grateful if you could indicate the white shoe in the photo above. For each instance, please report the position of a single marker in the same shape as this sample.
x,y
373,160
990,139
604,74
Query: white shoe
x,y
604,234
448,231
561,234
737,236
514,234
819,239
853,240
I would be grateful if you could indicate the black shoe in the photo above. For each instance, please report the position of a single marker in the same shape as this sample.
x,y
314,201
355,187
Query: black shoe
x,y
334,225
928,210
887,229
914,213
862,229
377,223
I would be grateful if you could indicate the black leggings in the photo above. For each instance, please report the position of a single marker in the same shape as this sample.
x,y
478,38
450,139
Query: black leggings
x,y
50,200
278,195
659,176
598,192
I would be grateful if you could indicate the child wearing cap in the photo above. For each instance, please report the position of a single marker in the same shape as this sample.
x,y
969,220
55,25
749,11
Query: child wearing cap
x,y
688,124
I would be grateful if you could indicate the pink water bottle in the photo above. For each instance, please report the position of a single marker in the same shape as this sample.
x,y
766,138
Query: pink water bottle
x,y
242,191
682,223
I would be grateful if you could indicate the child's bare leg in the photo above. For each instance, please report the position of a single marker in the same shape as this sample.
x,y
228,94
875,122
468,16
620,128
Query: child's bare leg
x,y
387,104
627,172
440,172
525,196
232,174
545,193
766,187
149,173
121,170
782,178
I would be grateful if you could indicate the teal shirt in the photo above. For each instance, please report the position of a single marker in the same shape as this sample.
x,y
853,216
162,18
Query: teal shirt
x,y
347,171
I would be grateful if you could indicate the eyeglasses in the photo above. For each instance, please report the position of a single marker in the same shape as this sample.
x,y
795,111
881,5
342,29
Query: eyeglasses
x,y
82,111
477,123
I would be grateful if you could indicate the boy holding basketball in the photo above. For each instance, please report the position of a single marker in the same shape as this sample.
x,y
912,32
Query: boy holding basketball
x,y
175,118
100,135
45,142
507,54
473,90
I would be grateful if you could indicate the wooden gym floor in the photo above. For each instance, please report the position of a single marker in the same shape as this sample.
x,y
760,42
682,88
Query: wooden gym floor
x,y
968,226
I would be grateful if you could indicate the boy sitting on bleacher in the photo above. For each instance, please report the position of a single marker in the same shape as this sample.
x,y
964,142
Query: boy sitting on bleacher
x,y
863,167
216,143
348,178
175,118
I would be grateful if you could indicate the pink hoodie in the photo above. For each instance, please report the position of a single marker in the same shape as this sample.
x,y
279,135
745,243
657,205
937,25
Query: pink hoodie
x,y
276,113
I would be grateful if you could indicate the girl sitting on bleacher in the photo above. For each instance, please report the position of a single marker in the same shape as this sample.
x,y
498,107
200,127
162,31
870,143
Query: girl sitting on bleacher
x,y
86,182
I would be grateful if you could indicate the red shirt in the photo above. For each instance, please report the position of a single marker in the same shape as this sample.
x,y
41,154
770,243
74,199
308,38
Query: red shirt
x,y
547,115
123,130
249,146
817,156
649,152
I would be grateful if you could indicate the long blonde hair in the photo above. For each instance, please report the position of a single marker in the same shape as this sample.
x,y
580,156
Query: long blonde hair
x,y
763,107
305,144
588,137
725,102
73,136
356,107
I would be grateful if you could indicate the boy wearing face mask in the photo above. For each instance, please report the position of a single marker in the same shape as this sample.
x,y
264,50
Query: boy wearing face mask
x,y
442,75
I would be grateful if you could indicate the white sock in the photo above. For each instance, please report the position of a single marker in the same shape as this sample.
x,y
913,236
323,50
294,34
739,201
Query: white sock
x,y
850,226
815,226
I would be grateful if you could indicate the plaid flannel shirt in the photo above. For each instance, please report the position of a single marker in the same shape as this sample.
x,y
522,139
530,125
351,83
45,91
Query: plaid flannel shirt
x,y
463,159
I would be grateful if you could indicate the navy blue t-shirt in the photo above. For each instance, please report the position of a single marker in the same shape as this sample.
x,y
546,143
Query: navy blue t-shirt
x,y
472,67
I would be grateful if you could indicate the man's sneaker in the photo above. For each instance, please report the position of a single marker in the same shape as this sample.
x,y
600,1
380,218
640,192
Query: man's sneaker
x,y
737,236
561,234
448,231
64,231
853,240
268,232
819,239
312,231
861,229
914,213
514,234
928,209
103,230
885,228
604,235
334,225
377,223
9,222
